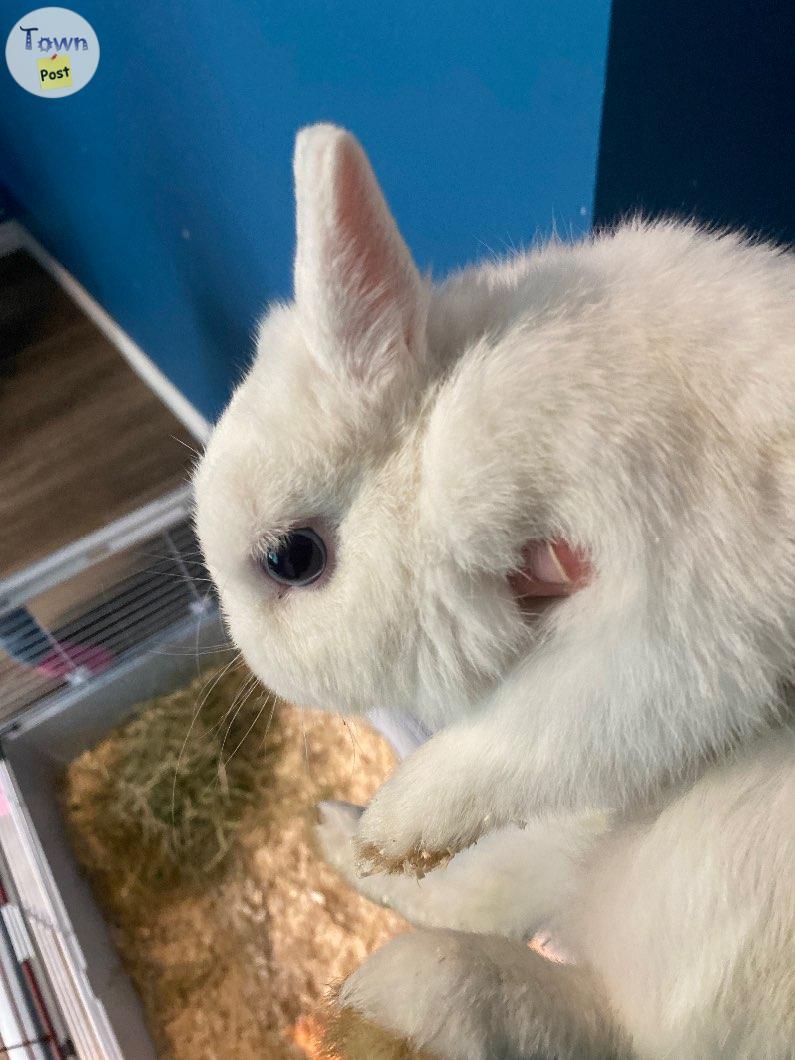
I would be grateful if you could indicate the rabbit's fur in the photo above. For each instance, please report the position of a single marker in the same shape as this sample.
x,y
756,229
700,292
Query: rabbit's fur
x,y
632,395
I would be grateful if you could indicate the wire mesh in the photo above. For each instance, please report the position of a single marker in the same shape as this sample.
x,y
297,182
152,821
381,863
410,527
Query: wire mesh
x,y
80,620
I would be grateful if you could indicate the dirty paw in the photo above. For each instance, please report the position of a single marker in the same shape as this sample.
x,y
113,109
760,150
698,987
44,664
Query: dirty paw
x,y
423,989
408,830
351,1036
434,805
414,862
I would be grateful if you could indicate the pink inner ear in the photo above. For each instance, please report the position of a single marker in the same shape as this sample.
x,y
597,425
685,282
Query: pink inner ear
x,y
359,223
550,568
372,248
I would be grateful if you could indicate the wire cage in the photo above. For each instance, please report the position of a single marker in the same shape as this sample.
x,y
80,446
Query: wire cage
x,y
47,1008
85,635
87,608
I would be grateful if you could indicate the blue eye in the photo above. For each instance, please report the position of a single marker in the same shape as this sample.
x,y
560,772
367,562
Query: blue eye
x,y
299,559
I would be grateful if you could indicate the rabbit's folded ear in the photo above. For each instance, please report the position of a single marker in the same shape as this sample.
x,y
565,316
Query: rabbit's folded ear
x,y
361,300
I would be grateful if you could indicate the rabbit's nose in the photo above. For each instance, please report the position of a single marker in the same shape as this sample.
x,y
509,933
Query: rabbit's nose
x,y
550,568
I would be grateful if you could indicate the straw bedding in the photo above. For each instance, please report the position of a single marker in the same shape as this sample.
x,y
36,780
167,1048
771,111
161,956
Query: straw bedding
x,y
194,830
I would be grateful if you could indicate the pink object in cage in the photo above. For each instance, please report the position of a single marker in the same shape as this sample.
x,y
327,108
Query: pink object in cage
x,y
66,658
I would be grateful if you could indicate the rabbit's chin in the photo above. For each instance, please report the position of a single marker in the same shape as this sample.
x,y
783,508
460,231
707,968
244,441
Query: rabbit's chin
x,y
319,689
398,693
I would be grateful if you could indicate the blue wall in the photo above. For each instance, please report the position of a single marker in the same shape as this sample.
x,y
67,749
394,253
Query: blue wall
x,y
699,114
164,186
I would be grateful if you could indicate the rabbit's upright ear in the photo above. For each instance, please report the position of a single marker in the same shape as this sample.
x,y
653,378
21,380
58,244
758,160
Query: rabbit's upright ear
x,y
361,300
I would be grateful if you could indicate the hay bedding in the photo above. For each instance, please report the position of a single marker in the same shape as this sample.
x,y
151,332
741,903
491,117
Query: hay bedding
x,y
228,922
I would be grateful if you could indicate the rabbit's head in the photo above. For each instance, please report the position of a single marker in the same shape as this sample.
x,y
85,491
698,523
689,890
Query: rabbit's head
x,y
311,510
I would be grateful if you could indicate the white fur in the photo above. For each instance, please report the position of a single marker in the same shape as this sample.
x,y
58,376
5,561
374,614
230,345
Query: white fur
x,y
680,920
513,882
634,395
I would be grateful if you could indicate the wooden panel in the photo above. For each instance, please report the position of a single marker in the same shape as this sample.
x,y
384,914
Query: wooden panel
x,y
83,440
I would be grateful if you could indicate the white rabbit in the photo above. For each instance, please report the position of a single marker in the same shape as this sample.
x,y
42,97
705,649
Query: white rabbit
x,y
545,508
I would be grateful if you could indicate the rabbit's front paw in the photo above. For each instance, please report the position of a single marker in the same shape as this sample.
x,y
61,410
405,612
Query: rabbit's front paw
x,y
419,819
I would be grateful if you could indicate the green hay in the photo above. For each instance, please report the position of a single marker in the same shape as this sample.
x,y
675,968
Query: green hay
x,y
166,794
